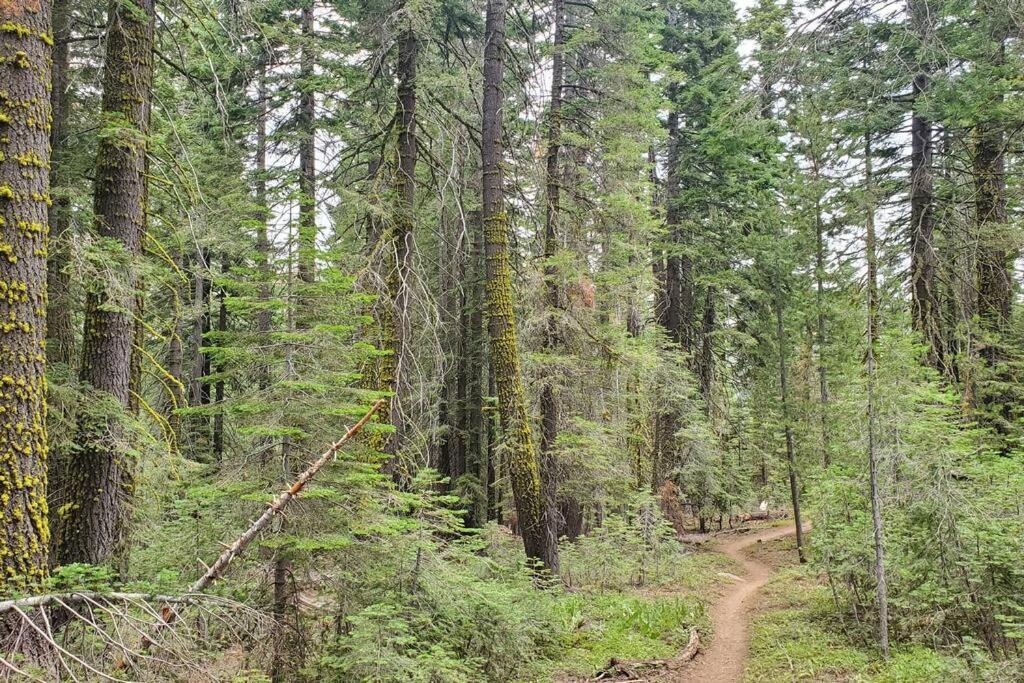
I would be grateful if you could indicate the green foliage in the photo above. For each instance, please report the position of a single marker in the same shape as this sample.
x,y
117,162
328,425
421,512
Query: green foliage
x,y
600,627
637,549
798,636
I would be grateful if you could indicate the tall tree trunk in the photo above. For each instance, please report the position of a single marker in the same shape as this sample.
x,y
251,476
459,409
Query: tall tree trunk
x,y
24,188
995,292
476,348
175,360
60,330
401,243
100,476
794,484
548,400
926,309
673,277
705,361
820,333
218,397
299,314
263,319
523,466
198,388
881,591
678,297
307,158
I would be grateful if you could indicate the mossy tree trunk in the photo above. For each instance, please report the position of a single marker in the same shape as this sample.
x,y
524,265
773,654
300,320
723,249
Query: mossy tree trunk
x,y
521,457
100,475
25,46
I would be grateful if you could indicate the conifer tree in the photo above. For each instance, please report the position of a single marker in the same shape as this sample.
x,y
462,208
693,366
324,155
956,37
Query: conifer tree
x,y
521,456
25,45
99,473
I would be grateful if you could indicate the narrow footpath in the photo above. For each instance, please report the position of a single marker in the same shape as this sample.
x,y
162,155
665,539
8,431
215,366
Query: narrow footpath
x,y
724,660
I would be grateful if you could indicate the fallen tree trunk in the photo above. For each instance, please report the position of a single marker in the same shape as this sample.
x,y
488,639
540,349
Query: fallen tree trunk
x,y
169,615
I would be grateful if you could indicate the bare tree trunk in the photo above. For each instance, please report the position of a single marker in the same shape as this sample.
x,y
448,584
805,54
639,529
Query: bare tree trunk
x,y
523,466
881,591
263,319
24,527
60,331
548,401
96,532
307,156
794,484
926,308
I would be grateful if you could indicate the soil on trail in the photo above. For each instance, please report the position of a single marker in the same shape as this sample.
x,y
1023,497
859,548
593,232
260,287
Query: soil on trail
x,y
724,659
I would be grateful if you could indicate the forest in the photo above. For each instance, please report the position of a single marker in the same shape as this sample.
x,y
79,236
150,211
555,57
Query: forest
x,y
537,341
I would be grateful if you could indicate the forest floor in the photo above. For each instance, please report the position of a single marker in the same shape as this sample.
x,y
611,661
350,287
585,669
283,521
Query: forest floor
x,y
725,658
769,619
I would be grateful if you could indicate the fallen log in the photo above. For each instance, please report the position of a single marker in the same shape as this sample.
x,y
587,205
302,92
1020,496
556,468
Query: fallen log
x,y
33,601
627,672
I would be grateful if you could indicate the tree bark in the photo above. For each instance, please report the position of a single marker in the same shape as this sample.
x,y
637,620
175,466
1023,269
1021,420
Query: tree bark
x,y
100,476
548,400
24,190
881,591
523,466
399,278
926,311
263,319
60,331
307,156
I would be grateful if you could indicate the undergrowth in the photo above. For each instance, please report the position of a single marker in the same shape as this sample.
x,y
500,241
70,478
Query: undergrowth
x,y
797,636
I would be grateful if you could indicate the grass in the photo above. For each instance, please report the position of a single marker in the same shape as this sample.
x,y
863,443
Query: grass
x,y
797,637
604,626
630,622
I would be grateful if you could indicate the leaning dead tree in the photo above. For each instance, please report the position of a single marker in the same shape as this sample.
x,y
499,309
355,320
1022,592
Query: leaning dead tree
x,y
278,504
131,632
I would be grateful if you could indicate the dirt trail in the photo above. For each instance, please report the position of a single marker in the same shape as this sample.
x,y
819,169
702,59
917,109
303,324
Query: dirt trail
x,y
724,660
